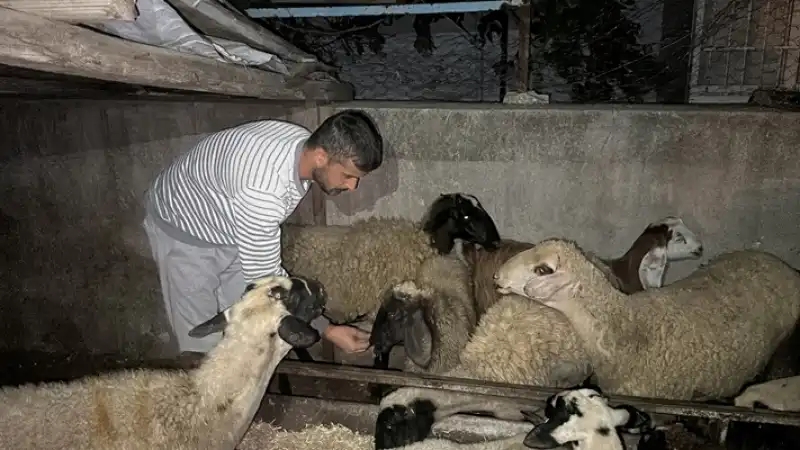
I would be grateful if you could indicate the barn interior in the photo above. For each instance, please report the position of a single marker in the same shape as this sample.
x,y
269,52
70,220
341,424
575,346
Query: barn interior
x,y
88,119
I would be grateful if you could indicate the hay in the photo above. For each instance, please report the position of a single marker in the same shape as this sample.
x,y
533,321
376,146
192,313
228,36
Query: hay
x,y
263,436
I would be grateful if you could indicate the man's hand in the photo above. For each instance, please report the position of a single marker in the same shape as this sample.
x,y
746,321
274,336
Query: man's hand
x,y
349,339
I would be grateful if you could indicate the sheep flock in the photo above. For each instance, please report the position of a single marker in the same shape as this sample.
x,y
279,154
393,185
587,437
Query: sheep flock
x,y
463,302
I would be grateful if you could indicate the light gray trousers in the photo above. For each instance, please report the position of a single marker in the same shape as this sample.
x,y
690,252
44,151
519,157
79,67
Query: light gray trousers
x,y
196,283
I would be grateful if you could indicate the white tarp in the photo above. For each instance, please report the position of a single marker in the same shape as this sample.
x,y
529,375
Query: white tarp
x,y
160,24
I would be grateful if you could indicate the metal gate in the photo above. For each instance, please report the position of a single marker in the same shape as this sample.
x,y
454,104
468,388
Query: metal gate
x,y
741,45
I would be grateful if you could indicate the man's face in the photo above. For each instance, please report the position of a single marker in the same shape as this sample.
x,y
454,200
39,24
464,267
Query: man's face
x,y
336,177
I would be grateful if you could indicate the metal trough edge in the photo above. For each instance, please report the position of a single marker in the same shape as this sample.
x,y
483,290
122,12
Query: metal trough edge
x,y
529,394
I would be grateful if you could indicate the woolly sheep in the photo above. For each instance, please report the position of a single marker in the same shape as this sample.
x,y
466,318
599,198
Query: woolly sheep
x,y
517,341
782,394
702,337
409,311
358,263
409,427
583,418
642,267
209,407
433,315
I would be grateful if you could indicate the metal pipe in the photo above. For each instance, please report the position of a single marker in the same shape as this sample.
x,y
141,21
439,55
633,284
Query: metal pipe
x,y
380,10
522,393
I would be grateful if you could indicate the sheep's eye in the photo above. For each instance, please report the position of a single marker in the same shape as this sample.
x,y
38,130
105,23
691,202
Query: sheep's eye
x,y
680,239
466,217
542,269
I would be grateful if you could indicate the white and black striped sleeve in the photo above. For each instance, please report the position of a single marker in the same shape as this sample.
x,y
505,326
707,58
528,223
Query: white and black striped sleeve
x,y
257,219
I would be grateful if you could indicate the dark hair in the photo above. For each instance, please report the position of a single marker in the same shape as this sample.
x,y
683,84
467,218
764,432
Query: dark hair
x,y
350,134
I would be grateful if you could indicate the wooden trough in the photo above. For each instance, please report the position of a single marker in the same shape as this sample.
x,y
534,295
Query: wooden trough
x,y
318,406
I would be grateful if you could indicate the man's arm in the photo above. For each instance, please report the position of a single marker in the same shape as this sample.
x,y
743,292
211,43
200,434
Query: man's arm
x,y
258,218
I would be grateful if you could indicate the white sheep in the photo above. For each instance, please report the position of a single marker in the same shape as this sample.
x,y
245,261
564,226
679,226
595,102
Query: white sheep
x,y
782,394
517,340
583,419
642,267
702,337
209,407
359,263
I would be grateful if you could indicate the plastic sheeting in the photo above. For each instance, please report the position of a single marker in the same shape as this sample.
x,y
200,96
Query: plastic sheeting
x,y
161,25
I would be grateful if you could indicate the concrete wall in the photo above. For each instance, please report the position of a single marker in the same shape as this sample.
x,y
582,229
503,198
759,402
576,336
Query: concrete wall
x,y
598,175
73,174
71,183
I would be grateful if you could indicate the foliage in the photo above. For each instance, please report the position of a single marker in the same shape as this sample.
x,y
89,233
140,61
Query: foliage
x,y
594,46
591,44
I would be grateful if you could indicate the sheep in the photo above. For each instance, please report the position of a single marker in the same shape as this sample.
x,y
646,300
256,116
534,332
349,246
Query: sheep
x,y
642,267
409,427
416,312
208,407
782,394
358,263
516,341
701,337
583,418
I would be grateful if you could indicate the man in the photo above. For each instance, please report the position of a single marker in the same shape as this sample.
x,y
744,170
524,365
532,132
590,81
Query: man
x,y
213,215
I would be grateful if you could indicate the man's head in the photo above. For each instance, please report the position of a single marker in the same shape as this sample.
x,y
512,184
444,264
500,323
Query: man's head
x,y
344,148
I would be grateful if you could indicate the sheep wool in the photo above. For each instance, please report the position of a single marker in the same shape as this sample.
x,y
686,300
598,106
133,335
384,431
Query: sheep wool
x,y
517,341
357,264
450,312
208,407
702,337
484,264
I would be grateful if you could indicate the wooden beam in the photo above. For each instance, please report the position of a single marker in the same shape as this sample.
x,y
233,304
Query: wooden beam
x,y
37,43
532,394
76,11
524,48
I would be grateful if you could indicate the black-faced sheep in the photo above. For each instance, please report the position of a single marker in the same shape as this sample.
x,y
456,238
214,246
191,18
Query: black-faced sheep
x,y
416,429
409,427
433,315
208,407
642,267
517,340
583,419
702,337
359,263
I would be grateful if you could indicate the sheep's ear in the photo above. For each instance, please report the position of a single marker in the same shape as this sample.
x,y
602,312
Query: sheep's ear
x,y
297,333
652,268
210,326
540,437
418,340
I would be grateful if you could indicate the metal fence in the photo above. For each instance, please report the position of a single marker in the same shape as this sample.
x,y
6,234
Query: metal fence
x,y
742,45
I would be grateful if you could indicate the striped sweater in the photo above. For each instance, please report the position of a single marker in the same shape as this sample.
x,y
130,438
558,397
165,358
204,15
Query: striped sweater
x,y
234,188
